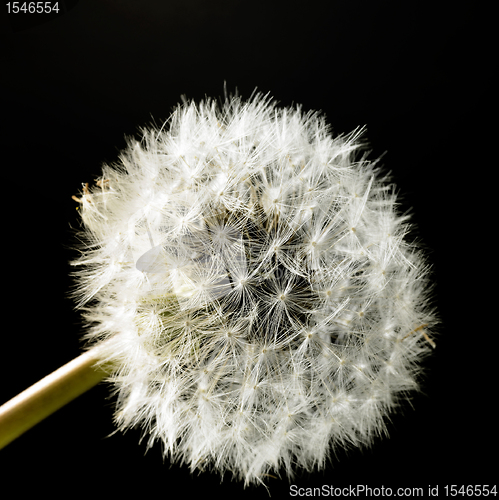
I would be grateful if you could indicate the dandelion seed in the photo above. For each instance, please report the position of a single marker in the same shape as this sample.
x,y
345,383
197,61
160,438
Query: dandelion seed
x,y
267,306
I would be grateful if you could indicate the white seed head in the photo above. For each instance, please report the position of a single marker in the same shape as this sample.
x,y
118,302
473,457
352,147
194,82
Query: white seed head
x,y
249,278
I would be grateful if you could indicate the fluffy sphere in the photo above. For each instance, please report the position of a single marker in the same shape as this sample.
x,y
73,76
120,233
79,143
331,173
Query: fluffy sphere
x,y
250,280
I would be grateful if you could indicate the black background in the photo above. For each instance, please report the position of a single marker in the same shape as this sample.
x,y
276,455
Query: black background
x,y
74,84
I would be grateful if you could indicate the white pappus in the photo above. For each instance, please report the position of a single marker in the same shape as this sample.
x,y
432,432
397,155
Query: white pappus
x,y
249,278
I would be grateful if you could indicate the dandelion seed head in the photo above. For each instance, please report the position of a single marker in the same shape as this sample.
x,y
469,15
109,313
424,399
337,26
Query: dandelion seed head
x,y
251,282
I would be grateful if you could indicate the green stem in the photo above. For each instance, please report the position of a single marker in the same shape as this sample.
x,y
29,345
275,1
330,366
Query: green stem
x,y
48,395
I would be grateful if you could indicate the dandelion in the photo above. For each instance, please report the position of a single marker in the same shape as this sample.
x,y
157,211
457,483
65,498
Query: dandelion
x,y
249,280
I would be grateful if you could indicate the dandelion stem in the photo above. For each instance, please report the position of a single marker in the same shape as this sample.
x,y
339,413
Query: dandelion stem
x,y
47,395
